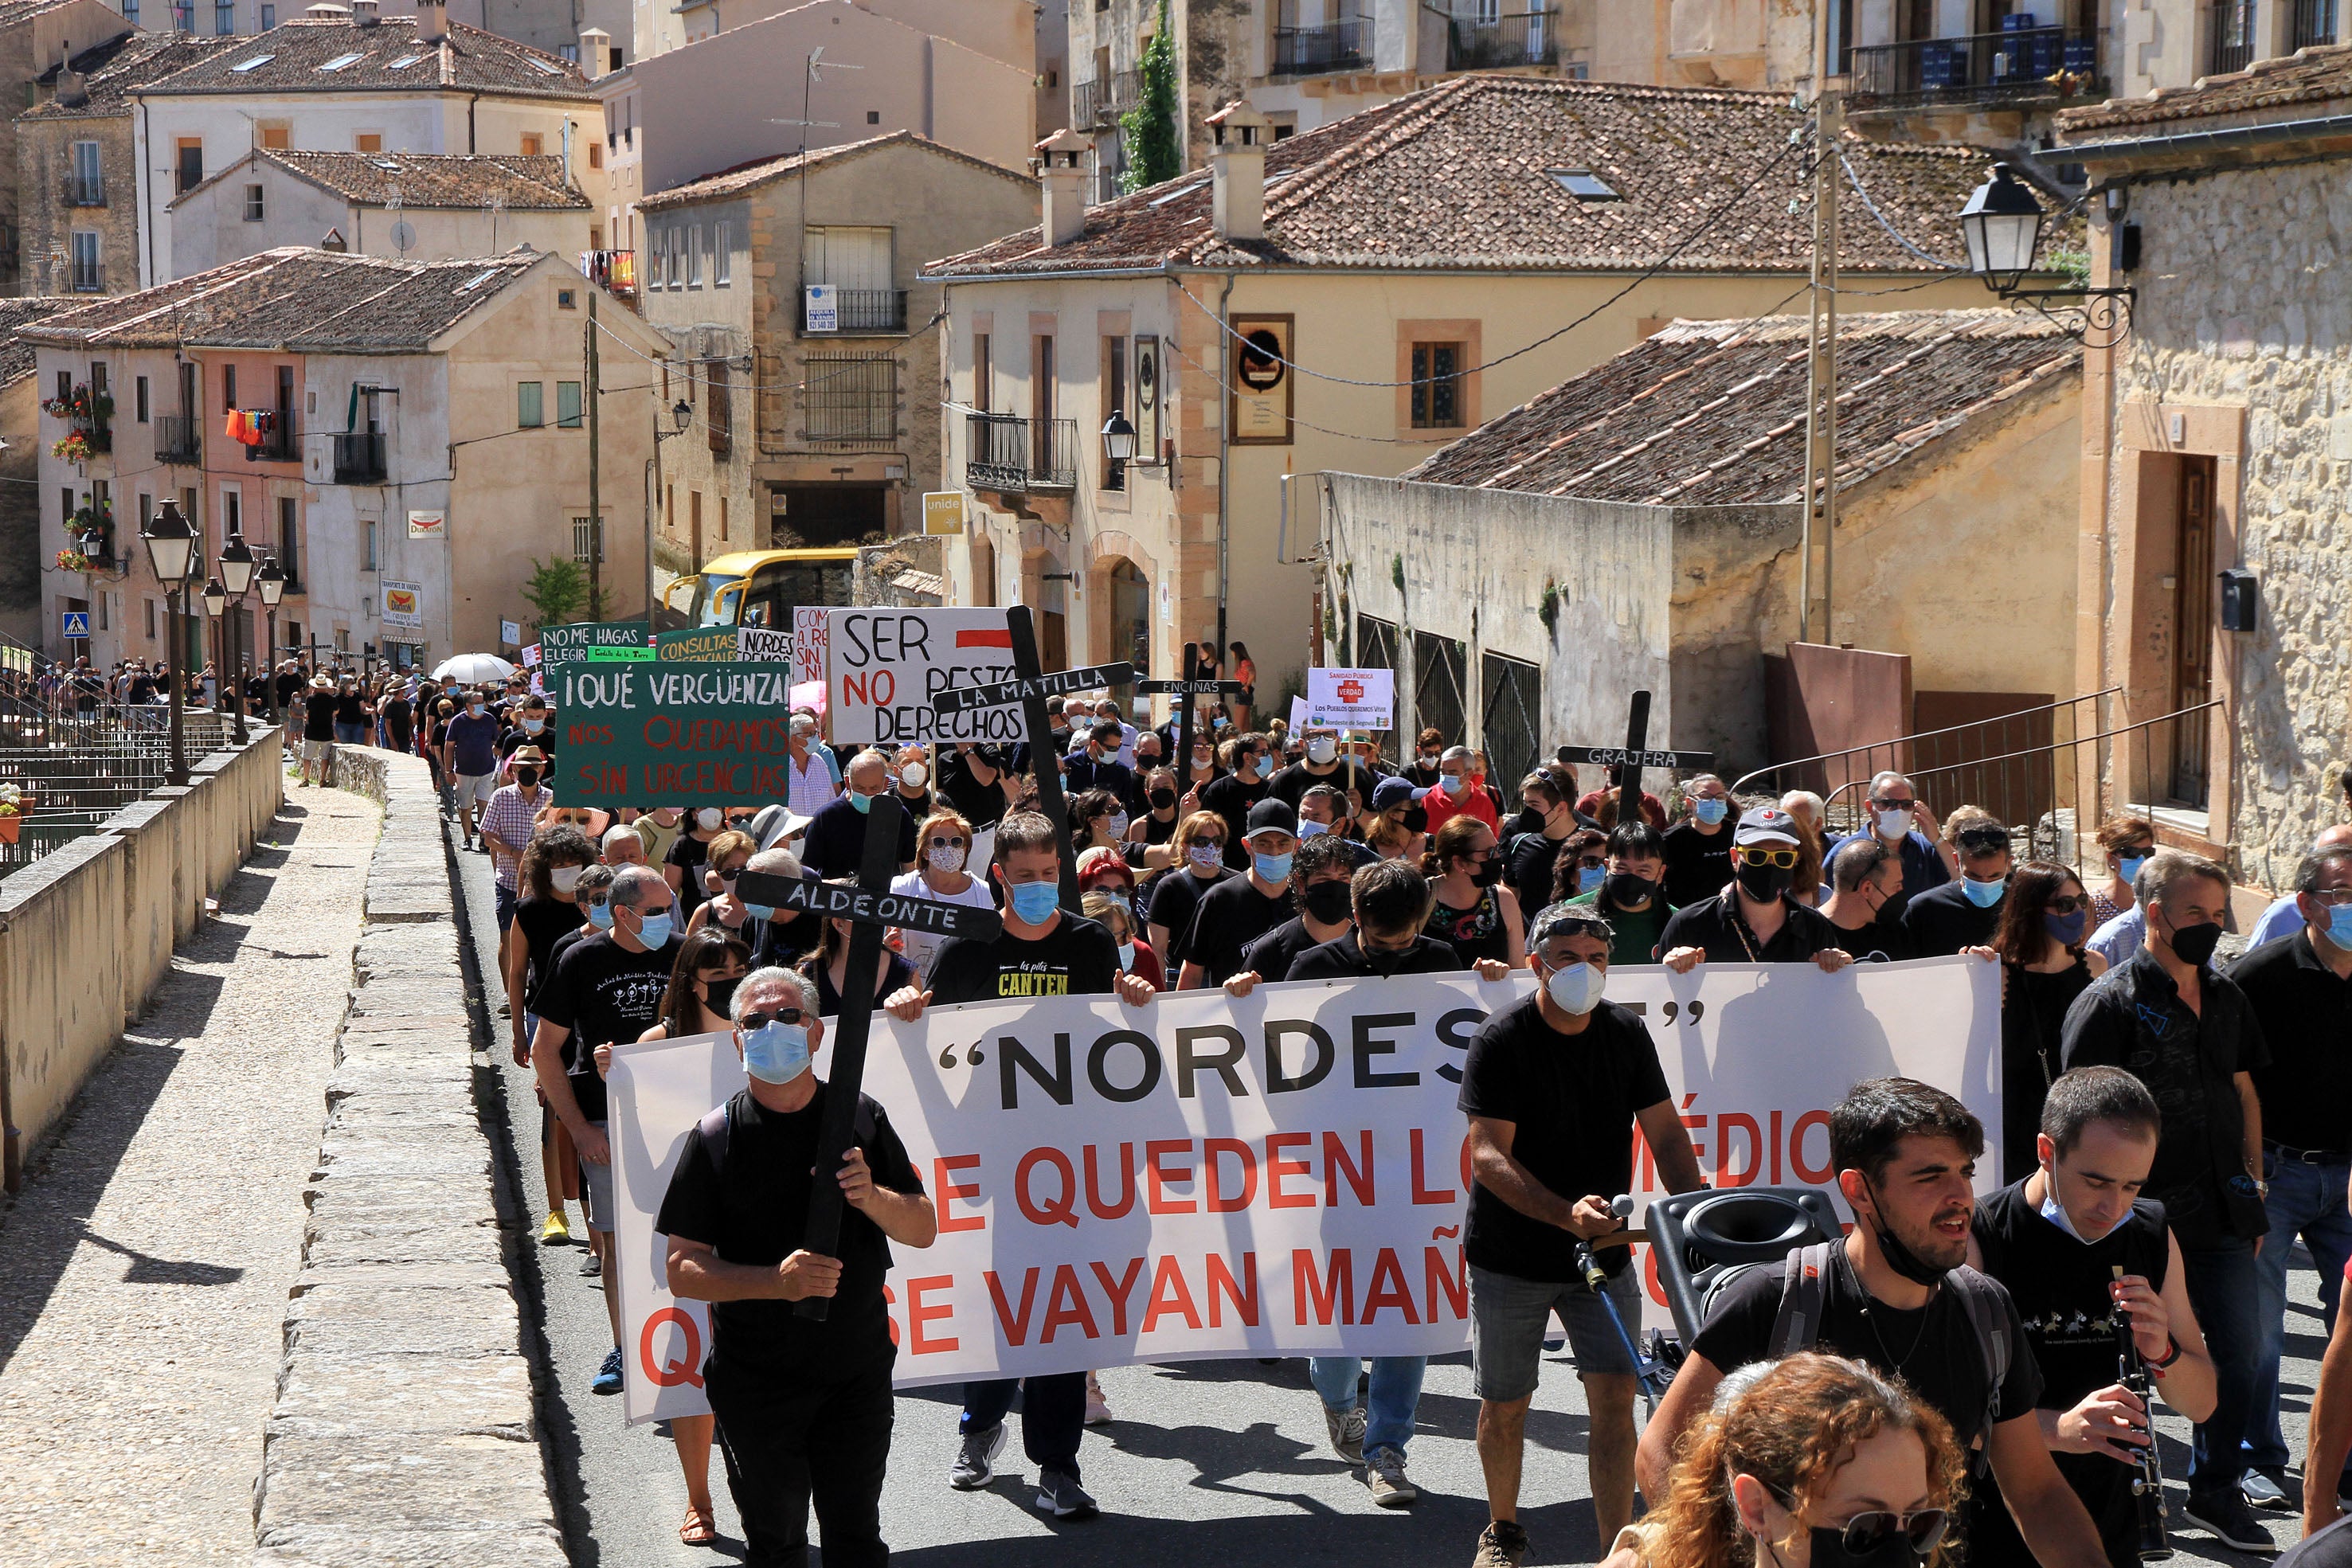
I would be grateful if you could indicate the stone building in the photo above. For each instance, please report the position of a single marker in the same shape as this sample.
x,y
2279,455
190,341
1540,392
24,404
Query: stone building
x,y
2216,437
453,205
77,163
817,420
21,610
36,36
1637,527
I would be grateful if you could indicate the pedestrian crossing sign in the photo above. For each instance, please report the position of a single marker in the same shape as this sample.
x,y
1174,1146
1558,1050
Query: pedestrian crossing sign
x,y
77,623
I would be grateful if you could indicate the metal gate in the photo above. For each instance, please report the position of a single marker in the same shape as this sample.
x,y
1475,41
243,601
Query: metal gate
x,y
1376,648
1511,693
1440,673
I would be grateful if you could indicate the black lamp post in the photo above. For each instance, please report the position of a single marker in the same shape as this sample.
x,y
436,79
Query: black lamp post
x,y
2001,226
271,581
171,552
237,575
215,600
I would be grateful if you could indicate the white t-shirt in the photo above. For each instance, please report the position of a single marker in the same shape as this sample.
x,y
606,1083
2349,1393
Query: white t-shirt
x,y
919,948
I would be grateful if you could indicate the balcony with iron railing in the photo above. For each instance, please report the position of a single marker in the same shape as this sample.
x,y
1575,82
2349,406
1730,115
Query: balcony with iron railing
x,y
1341,46
1982,69
1003,451
855,310
1100,104
280,442
2233,32
358,458
1474,44
179,439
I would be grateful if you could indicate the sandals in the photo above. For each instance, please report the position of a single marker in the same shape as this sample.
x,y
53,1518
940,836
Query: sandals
x,y
699,1529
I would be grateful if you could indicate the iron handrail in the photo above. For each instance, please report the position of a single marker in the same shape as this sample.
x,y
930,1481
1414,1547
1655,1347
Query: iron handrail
x,y
2053,748
1739,784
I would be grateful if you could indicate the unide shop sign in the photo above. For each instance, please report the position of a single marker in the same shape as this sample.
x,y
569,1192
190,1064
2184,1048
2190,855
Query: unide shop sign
x,y
649,734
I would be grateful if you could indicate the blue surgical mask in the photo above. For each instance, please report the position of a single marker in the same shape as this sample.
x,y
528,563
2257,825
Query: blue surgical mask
x,y
2340,924
2056,1213
1272,868
1589,877
1984,894
600,915
1126,955
1265,767
758,912
2128,867
1034,901
2066,928
776,1053
653,930
860,803
1452,784
1313,830
1710,811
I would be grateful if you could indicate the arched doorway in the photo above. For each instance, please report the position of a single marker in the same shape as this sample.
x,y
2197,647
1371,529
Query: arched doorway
x,y
1130,624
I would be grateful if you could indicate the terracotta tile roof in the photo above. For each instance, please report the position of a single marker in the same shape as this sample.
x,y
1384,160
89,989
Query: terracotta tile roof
x,y
293,56
114,70
295,300
462,180
15,352
1462,175
2302,82
1713,413
751,175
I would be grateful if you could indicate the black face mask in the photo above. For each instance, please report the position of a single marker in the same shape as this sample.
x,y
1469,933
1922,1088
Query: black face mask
x,y
1489,873
1626,889
721,994
2193,945
1763,883
527,776
1899,1257
1328,902
1163,799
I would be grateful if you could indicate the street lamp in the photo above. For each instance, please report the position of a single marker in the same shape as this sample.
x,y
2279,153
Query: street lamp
x,y
683,413
1119,438
271,581
2001,226
237,575
171,552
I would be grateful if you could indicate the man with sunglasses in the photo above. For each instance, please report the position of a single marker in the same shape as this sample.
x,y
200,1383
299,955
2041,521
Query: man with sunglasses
x,y
804,1406
1903,823
1866,882
1941,921
606,989
1042,951
1753,920
1896,1295
2300,988
1554,1086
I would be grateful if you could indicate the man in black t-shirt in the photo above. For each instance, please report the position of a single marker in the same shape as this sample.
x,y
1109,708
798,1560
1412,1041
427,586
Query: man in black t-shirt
x,y
319,731
804,1404
2080,1254
1698,848
836,836
1321,870
1232,796
1043,951
1966,913
1905,1157
1553,1087
1866,882
605,990
1239,910
1753,920
1390,901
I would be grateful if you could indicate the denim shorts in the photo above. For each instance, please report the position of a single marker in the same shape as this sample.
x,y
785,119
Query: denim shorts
x,y
1509,1316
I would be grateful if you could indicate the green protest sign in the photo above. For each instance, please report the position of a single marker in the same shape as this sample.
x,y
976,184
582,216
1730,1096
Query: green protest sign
x,y
589,639
651,734
697,646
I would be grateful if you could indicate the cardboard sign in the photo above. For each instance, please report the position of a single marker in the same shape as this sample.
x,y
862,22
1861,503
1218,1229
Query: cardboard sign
x,y
647,734
1352,699
559,645
885,666
808,642
697,646
763,644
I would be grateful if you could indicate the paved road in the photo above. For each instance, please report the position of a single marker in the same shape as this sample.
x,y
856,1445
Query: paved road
x,y
143,1268
1231,1455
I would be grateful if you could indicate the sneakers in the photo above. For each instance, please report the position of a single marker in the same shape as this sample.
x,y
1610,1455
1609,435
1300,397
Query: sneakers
x,y
1347,1430
2265,1488
557,1231
975,1463
1059,1494
2225,1516
608,1377
591,1267
1500,1545
1384,1474
1097,1407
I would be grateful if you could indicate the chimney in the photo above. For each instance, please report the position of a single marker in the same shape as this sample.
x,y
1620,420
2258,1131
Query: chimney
x,y
1062,161
1237,168
73,88
595,52
363,13
432,21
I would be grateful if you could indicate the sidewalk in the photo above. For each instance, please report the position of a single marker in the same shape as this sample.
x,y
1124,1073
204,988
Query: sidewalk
x,y
145,1267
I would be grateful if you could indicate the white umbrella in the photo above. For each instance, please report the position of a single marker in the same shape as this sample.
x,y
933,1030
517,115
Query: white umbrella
x,y
472,669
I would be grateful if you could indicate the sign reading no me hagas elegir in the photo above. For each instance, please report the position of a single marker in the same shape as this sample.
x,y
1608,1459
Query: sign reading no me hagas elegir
x,y
672,734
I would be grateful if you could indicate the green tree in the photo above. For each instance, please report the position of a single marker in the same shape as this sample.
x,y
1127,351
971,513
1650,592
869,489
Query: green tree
x,y
1155,149
558,589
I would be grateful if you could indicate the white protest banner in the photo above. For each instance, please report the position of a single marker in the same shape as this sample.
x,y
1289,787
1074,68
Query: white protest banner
x,y
1297,715
1283,1174
765,646
1352,699
883,667
808,642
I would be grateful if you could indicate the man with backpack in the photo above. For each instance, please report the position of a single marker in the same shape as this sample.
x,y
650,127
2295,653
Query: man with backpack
x,y
1896,1295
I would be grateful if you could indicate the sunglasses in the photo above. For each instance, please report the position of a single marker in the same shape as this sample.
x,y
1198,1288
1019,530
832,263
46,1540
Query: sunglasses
x,y
946,844
1865,1534
1755,855
728,876
2067,904
1591,862
763,1018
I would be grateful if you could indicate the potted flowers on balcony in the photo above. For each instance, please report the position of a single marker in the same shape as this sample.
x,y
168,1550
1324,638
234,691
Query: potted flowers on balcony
x,y
13,805
72,447
72,559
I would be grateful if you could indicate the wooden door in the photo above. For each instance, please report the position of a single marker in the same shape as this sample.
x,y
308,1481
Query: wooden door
x,y
2192,642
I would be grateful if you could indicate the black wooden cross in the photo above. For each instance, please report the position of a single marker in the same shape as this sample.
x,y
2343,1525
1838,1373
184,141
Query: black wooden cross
x,y
869,908
1194,684
1030,686
1625,764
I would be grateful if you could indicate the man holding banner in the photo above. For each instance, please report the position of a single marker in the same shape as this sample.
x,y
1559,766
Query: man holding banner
x,y
803,1404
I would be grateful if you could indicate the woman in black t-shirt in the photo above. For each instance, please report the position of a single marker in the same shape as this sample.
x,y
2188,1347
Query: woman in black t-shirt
x,y
1159,821
829,966
1200,864
682,867
1469,906
2045,921
548,912
724,858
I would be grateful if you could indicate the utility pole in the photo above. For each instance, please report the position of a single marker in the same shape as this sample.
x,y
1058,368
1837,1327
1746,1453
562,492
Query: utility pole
x,y
596,512
1820,542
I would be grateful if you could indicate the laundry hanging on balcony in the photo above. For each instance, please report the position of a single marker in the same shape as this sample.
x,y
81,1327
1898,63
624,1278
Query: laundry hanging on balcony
x,y
251,426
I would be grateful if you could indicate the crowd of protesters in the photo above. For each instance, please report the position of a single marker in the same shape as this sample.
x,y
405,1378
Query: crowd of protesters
x,y
2172,1127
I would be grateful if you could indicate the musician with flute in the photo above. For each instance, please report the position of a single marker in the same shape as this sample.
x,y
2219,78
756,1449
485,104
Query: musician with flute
x,y
2100,1288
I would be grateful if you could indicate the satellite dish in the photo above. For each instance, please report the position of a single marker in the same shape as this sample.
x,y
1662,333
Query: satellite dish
x,y
404,236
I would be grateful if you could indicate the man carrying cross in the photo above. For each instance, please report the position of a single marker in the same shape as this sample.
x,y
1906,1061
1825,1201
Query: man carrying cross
x,y
1042,952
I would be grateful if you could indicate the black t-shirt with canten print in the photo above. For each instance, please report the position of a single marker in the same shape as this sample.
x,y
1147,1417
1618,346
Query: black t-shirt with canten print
x,y
1075,958
605,995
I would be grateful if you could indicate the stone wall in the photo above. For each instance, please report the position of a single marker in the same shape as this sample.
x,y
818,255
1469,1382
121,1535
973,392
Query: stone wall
x,y
46,223
87,932
404,1430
